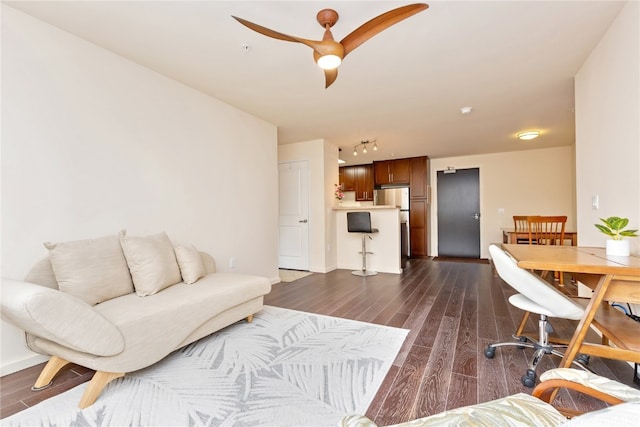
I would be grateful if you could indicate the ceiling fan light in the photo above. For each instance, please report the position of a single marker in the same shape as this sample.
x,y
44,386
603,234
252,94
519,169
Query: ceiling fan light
x,y
329,62
529,135
355,151
364,149
375,146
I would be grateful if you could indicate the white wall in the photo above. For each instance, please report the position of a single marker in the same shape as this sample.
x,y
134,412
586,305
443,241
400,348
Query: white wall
x,y
93,143
323,173
331,177
530,182
608,129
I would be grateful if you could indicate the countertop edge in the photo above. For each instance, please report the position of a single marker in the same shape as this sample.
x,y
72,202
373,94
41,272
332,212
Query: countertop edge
x,y
363,208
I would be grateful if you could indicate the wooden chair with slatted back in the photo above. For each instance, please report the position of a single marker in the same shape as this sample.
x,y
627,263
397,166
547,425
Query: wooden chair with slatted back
x,y
521,224
547,230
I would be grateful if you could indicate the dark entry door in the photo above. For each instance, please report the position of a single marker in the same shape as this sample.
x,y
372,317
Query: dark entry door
x,y
459,213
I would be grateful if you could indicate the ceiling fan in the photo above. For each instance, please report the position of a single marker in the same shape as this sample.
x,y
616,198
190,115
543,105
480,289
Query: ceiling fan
x,y
329,53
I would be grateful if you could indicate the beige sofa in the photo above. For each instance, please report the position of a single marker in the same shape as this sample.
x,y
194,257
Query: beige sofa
x,y
139,322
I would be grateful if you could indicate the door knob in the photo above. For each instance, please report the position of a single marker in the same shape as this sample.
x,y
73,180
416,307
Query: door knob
x,y
303,220
476,216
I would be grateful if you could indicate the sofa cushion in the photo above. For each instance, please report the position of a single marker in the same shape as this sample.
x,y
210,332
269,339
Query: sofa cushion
x,y
193,305
190,263
152,262
93,270
208,262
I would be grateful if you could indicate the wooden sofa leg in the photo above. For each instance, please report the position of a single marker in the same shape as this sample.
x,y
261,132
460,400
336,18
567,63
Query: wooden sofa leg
x,y
45,379
98,382
250,318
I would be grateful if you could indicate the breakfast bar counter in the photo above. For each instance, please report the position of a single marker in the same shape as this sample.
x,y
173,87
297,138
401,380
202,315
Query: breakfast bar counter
x,y
384,245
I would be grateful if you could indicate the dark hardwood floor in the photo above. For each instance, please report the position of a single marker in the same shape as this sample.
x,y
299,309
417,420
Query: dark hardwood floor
x,y
452,309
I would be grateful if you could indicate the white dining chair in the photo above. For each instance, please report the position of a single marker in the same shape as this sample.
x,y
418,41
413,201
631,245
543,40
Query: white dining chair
x,y
535,295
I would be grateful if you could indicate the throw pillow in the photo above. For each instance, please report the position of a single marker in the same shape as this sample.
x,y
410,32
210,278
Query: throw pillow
x,y
93,270
151,261
190,263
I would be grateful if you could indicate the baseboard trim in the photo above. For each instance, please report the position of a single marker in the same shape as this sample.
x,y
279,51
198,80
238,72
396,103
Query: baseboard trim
x,y
460,259
25,363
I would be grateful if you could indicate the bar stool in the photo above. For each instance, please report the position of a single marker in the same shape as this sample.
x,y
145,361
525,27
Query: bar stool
x,y
360,222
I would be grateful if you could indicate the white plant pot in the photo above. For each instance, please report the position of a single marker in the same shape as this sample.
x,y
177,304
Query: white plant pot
x,y
618,247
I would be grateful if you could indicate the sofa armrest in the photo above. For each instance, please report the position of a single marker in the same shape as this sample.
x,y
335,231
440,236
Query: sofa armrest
x,y
596,386
575,378
59,317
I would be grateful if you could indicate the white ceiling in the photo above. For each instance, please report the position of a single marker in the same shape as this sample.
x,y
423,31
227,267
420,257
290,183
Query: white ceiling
x,y
512,61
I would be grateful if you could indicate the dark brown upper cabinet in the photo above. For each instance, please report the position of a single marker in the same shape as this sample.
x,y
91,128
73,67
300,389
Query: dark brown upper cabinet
x,y
358,178
392,172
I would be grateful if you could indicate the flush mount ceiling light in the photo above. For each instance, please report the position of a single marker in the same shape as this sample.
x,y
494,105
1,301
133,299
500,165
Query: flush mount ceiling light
x,y
364,146
466,110
531,134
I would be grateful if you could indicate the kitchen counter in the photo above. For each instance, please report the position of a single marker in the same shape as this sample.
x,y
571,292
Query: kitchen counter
x,y
362,208
385,244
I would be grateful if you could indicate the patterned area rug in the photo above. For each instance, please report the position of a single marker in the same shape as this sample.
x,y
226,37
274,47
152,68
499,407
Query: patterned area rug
x,y
286,368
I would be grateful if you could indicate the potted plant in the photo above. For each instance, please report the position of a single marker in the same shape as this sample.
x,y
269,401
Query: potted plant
x,y
614,228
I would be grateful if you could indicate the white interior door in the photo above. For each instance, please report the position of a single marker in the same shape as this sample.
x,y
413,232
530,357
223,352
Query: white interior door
x,y
293,229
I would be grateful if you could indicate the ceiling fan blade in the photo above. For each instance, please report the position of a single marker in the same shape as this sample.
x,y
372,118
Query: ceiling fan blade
x,y
378,24
313,44
266,31
330,76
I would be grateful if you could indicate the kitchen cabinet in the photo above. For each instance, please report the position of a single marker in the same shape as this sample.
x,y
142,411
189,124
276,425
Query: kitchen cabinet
x,y
364,183
419,207
358,178
348,178
392,172
418,223
381,173
419,179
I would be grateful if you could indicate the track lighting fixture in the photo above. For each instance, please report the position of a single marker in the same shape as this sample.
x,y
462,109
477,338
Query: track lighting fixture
x,y
364,144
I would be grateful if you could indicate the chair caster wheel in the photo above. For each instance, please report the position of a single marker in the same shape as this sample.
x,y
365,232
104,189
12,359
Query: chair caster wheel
x,y
490,352
584,359
521,339
529,379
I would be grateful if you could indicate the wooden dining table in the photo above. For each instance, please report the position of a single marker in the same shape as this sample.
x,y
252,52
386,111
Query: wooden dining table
x,y
612,278
510,235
